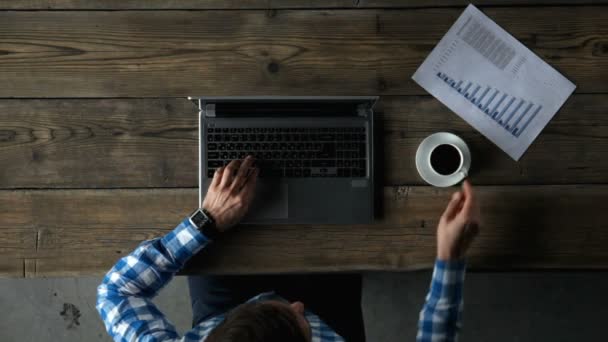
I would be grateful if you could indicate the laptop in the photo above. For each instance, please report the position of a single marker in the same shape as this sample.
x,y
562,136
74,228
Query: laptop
x,y
315,155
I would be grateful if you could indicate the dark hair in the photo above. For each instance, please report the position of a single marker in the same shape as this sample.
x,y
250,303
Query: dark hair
x,y
258,322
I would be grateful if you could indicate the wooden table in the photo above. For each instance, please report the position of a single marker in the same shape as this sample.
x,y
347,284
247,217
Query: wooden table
x,y
98,144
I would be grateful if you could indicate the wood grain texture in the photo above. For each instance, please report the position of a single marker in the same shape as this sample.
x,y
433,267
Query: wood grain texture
x,y
85,231
263,4
118,143
12,268
98,143
288,52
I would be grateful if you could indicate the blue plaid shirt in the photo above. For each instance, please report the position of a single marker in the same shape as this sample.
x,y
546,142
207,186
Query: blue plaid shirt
x,y
441,316
124,298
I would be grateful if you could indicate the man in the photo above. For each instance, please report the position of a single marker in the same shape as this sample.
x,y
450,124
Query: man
x,y
124,297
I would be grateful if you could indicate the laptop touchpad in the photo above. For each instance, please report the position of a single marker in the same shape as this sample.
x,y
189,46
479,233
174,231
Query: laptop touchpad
x,y
270,201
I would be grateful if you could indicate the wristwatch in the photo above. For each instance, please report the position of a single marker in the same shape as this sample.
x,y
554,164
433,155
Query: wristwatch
x,y
203,221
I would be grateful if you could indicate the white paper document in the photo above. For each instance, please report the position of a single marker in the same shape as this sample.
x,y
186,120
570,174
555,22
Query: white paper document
x,y
493,82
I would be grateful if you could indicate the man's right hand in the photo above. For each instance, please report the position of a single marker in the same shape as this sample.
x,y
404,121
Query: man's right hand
x,y
231,192
458,225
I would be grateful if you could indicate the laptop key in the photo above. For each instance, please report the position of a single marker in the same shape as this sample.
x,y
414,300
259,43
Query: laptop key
x,y
325,171
323,163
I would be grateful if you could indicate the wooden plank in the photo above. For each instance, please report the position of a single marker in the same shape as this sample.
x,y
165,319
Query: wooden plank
x,y
114,143
524,227
263,4
12,268
98,143
296,52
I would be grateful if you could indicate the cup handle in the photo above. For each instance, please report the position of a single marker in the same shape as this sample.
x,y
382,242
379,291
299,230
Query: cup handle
x,y
464,172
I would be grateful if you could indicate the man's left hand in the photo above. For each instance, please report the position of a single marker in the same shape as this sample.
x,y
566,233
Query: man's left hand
x,y
231,192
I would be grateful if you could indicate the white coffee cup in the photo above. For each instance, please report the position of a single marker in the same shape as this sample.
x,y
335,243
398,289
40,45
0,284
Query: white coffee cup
x,y
443,159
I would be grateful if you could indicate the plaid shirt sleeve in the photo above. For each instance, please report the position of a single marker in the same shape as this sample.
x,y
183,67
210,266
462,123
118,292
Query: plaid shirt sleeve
x,y
124,296
441,316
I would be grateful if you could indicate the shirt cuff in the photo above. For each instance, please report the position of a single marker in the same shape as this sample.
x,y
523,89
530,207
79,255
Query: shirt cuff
x,y
184,241
448,278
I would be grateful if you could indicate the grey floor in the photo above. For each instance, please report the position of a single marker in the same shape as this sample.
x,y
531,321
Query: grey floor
x,y
540,306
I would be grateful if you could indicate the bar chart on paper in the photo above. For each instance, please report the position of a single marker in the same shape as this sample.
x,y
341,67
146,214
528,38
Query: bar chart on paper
x,y
511,113
493,82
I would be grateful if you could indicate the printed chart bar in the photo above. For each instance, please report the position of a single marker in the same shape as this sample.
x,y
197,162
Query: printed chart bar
x,y
511,113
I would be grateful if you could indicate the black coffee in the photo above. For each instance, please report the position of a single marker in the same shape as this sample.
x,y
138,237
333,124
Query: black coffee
x,y
445,159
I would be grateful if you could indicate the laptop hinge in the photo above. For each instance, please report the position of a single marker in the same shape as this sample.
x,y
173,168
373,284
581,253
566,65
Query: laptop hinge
x,y
210,110
363,110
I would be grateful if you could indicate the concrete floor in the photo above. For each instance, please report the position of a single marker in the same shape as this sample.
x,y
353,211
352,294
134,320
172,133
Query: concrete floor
x,y
542,306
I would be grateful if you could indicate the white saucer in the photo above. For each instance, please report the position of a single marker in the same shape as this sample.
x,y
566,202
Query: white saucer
x,y
423,159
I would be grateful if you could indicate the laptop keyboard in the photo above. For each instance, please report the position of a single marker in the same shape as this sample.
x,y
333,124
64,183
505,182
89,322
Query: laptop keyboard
x,y
291,152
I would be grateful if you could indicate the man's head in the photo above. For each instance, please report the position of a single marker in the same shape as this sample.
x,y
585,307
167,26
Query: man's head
x,y
264,321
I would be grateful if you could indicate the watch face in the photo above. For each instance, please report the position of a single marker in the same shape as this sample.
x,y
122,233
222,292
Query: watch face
x,y
199,218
